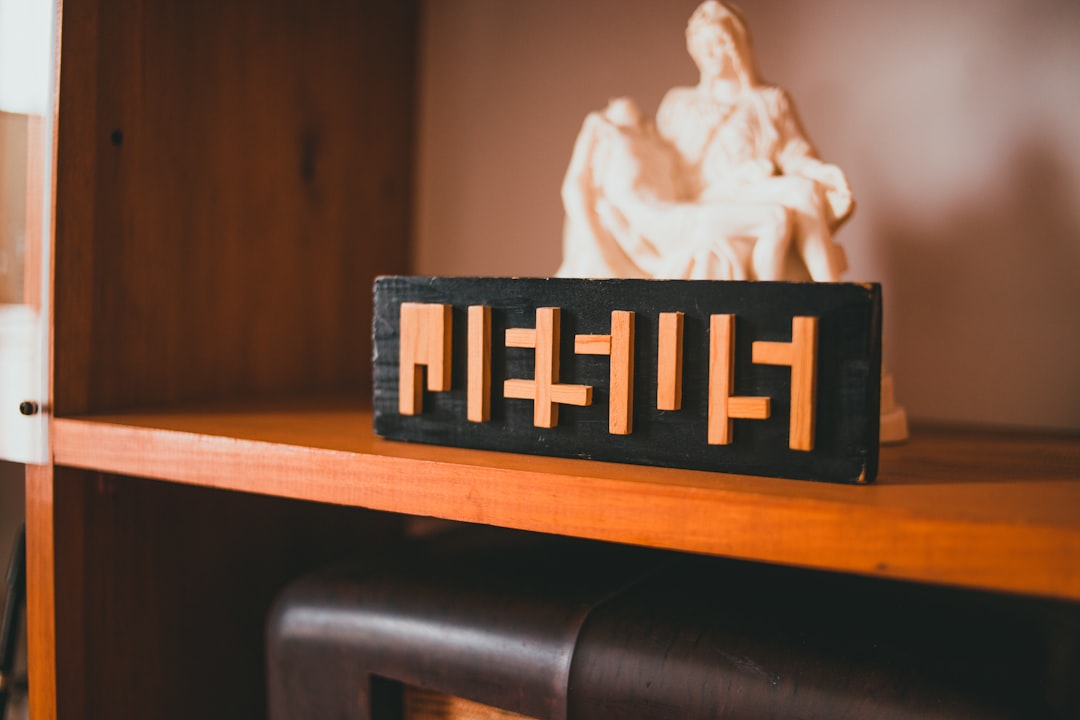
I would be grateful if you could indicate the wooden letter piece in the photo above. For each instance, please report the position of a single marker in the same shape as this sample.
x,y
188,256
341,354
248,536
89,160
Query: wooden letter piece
x,y
619,345
479,387
801,355
669,352
723,407
544,389
425,341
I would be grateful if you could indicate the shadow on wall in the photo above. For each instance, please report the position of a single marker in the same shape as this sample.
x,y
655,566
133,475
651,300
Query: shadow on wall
x,y
955,122
985,302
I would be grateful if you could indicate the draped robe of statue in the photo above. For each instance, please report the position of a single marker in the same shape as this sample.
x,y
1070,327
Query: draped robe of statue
x,y
725,185
727,193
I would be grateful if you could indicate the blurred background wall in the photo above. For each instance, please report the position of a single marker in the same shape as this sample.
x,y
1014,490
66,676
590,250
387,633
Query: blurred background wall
x,y
956,121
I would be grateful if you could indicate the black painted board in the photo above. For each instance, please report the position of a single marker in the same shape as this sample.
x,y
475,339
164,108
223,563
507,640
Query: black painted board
x,y
847,388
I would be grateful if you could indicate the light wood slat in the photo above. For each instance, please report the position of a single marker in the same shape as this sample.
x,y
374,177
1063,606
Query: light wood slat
x,y
984,510
621,384
545,404
479,370
669,361
592,344
521,338
772,353
40,584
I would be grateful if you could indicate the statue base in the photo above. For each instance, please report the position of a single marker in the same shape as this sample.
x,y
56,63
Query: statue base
x,y
894,425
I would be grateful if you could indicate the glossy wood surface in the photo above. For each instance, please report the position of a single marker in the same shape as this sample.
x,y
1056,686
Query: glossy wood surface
x,y
40,607
159,593
231,177
980,509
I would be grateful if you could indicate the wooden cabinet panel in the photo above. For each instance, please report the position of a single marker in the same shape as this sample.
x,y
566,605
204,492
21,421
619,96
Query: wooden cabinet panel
x,y
231,178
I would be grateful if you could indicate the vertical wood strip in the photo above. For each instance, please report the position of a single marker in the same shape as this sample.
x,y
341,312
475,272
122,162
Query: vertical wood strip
x,y
41,592
721,377
410,397
439,348
76,327
669,361
545,411
479,385
804,333
621,403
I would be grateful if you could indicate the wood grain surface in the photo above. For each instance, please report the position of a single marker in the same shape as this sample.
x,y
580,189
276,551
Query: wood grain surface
x,y
982,509
40,589
155,599
669,352
231,178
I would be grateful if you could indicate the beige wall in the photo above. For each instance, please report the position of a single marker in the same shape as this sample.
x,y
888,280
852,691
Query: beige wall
x,y
956,121
13,157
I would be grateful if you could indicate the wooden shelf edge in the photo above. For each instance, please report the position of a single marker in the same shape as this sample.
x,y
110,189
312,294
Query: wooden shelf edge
x,y
883,540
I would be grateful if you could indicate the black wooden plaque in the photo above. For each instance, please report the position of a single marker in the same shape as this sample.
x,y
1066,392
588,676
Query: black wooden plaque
x,y
846,385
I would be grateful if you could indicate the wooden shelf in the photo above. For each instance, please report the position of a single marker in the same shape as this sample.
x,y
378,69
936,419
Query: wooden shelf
x,y
228,180
980,509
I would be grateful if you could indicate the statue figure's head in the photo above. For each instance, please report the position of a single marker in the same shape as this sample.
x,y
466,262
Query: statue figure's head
x,y
719,42
624,112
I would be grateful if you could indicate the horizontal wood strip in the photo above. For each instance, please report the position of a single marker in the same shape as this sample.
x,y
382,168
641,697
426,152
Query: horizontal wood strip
x,y
520,338
748,408
519,389
983,510
772,353
592,344
571,394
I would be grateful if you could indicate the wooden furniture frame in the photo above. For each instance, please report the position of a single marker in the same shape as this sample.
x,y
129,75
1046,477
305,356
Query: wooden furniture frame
x,y
230,177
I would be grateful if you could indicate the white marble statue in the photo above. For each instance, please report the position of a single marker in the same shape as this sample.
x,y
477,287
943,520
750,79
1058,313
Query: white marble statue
x,y
724,186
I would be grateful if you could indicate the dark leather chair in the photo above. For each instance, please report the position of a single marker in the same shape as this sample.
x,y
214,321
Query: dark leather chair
x,y
554,628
